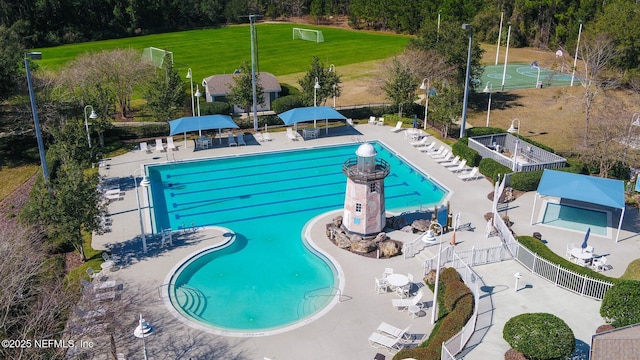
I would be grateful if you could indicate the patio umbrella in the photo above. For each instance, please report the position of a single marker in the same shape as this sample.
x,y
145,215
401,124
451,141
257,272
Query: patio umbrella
x,y
586,237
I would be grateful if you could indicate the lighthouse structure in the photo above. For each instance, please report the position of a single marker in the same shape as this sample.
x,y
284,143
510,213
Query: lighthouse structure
x,y
364,209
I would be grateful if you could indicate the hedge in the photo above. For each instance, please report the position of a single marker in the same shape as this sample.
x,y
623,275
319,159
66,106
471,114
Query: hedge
x,y
286,103
621,304
461,148
491,169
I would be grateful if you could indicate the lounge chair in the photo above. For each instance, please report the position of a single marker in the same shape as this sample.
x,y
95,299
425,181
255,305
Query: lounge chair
x,y
266,136
93,274
445,159
472,175
462,166
99,285
170,144
393,331
372,120
381,121
291,135
379,341
422,142
144,147
453,162
241,141
108,262
398,127
444,153
98,296
427,148
232,140
401,304
159,145
432,150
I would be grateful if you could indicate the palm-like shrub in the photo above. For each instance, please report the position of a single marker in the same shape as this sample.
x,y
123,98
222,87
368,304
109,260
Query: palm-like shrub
x,y
539,336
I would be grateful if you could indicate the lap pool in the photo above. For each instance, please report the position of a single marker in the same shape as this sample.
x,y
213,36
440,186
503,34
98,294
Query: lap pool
x,y
269,279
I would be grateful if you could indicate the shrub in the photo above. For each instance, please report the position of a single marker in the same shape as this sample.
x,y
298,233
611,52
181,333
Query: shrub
x,y
526,181
539,336
461,148
216,107
491,168
285,103
621,304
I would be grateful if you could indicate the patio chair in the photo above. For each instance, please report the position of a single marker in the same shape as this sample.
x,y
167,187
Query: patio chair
x,y
379,341
93,274
472,175
589,249
381,286
581,262
569,248
599,264
292,135
393,331
232,140
381,121
144,147
398,127
400,304
372,120
387,272
462,166
108,262
170,144
241,141
159,145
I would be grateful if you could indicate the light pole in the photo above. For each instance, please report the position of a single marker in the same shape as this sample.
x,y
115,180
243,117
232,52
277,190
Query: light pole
x,y
426,99
488,89
198,95
499,36
635,121
193,107
506,56
332,68
575,57
535,65
36,123
143,329
145,182
469,28
254,79
438,32
92,116
435,290
511,130
315,91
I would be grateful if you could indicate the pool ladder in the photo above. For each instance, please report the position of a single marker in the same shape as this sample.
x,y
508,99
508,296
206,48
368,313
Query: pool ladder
x,y
308,305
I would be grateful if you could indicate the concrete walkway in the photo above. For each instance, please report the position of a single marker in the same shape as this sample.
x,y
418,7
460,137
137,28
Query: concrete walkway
x,y
342,333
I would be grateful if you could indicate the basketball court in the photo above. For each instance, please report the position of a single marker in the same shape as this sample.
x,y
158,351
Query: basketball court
x,y
523,76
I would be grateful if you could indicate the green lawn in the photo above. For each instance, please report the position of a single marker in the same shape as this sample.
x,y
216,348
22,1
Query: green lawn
x,y
219,51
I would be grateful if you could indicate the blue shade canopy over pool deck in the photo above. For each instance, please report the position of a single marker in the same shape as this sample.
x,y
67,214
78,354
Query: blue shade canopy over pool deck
x,y
197,123
311,113
585,188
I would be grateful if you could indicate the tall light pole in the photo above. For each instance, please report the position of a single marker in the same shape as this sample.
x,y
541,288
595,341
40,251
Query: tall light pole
x,y
145,183
36,123
575,57
86,121
438,32
635,121
254,80
506,56
332,68
143,329
315,91
463,124
193,107
499,36
426,97
488,89
198,95
435,290
511,130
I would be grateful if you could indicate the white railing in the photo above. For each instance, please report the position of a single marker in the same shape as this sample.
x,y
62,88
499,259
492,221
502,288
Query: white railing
x,y
411,249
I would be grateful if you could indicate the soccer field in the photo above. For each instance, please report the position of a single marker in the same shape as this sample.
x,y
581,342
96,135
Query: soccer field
x,y
221,51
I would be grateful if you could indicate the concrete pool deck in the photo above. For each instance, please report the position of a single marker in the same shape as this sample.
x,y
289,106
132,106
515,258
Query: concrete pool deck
x,y
342,333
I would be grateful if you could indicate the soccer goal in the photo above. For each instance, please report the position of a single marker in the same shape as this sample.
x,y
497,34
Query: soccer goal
x,y
155,56
308,34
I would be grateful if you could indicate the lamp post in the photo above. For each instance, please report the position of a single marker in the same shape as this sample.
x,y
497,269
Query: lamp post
x,y
635,121
575,57
254,79
193,107
506,56
535,66
499,36
488,89
145,182
332,68
438,32
143,329
315,91
435,290
198,95
469,28
426,97
92,116
36,123
511,130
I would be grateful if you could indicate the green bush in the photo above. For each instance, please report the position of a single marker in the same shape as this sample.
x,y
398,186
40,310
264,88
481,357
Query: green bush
x,y
491,169
526,181
216,107
539,336
482,131
288,89
461,148
621,304
286,103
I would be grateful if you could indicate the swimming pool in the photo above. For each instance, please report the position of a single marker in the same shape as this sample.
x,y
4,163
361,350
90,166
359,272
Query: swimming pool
x,y
267,278
576,218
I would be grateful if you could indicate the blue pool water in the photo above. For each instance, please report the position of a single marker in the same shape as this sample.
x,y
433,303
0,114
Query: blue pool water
x,y
267,278
576,218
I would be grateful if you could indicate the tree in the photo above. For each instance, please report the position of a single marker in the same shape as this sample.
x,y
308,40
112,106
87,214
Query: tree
x,y
597,53
328,80
10,58
539,336
621,304
445,106
399,84
619,20
166,92
241,92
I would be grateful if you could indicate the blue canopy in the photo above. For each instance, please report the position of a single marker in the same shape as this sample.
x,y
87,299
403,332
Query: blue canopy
x,y
310,113
197,123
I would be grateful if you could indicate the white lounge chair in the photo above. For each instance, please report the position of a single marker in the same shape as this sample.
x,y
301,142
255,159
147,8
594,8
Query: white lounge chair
x,y
401,304
453,162
379,341
232,141
381,121
266,137
241,141
291,135
472,175
170,144
437,152
159,145
427,148
372,120
98,285
462,166
445,159
144,147
98,296
393,331
422,142
444,153
398,127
